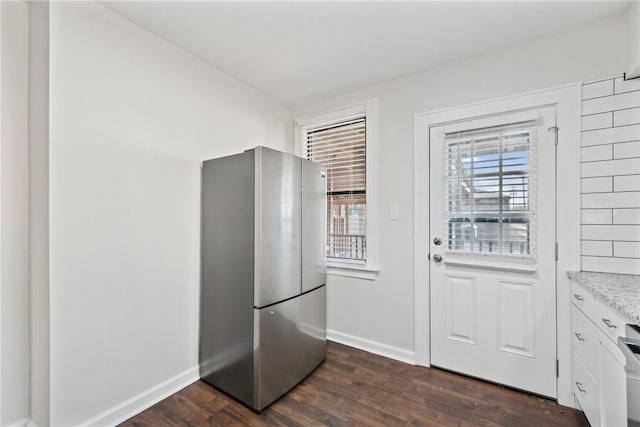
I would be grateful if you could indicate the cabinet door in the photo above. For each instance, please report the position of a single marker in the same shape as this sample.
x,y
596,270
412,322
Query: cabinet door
x,y
613,384
314,232
584,340
585,389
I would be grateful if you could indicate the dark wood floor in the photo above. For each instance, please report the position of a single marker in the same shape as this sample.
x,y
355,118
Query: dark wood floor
x,y
354,387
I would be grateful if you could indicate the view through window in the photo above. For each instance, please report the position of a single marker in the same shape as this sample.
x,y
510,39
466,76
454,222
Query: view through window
x,y
341,147
489,191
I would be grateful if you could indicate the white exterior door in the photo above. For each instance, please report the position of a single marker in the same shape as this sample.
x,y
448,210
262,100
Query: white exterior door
x,y
492,248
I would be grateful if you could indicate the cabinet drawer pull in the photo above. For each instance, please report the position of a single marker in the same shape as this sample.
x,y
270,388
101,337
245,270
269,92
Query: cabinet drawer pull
x,y
608,323
579,385
579,336
578,297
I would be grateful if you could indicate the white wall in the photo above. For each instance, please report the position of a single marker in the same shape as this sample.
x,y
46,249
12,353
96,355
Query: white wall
x,y
14,214
382,311
39,210
131,118
632,69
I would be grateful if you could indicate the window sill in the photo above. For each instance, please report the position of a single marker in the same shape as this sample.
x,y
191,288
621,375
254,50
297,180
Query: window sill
x,y
503,265
357,271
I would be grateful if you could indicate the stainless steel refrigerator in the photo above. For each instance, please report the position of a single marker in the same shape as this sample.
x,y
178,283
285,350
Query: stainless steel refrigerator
x,y
263,273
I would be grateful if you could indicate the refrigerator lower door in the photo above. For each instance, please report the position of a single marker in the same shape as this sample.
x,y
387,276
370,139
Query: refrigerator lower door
x,y
292,343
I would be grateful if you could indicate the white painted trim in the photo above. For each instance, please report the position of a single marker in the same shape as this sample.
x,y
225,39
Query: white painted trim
x,y
491,121
356,271
370,109
22,423
603,79
2,143
138,403
374,347
30,423
511,266
566,98
421,297
569,122
493,101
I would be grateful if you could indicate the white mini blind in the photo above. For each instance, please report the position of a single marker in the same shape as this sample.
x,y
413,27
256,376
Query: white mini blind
x,y
341,147
489,191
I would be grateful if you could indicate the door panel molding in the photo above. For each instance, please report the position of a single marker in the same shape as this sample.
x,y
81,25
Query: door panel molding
x,y
515,299
566,99
461,314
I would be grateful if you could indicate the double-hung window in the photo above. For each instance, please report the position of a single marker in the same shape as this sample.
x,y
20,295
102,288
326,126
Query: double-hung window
x,y
342,141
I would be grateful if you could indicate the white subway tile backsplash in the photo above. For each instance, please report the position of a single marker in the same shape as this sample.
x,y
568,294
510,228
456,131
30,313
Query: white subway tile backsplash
x,y
598,121
626,183
597,248
597,152
625,250
611,135
626,216
597,185
596,216
611,103
610,177
626,150
612,200
622,85
611,167
597,89
629,233
611,265
630,116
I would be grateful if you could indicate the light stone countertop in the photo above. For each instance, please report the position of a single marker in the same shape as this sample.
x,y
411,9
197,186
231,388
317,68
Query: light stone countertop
x,y
619,291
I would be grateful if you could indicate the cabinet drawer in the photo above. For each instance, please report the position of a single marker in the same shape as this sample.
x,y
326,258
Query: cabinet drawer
x,y
609,321
585,390
584,340
583,299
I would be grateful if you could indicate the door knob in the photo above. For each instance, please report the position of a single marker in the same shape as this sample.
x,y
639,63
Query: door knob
x,y
437,257
437,241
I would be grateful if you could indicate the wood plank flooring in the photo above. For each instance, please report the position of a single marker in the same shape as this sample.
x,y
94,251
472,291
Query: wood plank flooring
x,y
354,387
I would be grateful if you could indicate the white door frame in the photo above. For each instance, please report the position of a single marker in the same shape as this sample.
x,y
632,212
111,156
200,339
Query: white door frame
x,y
567,101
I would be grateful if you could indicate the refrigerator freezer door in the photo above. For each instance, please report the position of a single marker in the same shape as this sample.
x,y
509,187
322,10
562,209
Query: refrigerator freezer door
x,y
278,226
314,214
292,343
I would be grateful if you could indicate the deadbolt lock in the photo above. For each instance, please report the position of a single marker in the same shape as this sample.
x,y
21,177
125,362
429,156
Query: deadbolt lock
x,y
437,241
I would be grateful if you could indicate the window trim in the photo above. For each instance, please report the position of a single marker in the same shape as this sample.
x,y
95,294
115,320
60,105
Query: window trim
x,y
359,269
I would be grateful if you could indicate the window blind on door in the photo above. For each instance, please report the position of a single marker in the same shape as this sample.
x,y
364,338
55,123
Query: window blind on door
x,y
341,148
489,191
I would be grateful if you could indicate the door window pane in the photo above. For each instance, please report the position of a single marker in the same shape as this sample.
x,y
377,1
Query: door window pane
x,y
489,191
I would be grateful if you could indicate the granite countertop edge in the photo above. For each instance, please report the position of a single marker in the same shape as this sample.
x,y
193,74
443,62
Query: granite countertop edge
x,y
619,291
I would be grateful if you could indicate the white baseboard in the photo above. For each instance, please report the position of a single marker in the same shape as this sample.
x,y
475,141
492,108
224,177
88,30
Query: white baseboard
x,y
22,423
374,347
125,410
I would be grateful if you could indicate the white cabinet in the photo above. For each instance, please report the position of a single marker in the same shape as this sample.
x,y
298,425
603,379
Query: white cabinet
x,y
613,392
599,380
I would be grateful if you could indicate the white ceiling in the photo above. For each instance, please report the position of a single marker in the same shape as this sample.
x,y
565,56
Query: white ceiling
x,y
296,51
